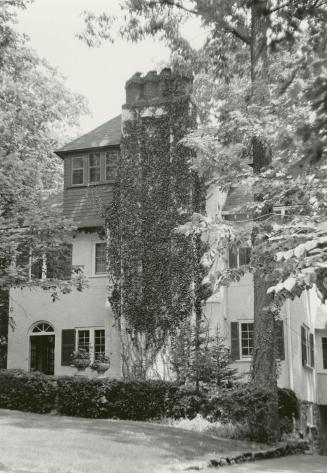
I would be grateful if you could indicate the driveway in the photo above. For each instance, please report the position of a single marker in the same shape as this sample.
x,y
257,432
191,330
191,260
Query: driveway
x,y
53,444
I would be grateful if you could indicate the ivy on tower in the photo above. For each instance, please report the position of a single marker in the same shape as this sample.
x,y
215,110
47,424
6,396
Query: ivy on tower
x,y
153,267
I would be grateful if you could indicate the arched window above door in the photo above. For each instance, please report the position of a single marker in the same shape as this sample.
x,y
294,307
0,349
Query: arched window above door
x,y
42,328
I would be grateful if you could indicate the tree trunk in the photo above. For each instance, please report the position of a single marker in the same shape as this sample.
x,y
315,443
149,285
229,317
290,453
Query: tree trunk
x,y
264,371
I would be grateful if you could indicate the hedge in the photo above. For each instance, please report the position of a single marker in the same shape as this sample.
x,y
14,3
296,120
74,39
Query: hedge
x,y
96,398
30,392
140,400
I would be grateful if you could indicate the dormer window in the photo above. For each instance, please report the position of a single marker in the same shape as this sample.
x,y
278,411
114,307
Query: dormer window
x,y
111,164
77,171
94,167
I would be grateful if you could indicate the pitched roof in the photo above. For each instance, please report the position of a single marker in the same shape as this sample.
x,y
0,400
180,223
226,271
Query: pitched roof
x,y
107,134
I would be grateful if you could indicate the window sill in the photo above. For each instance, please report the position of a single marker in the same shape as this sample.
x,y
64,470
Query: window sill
x,y
92,184
243,360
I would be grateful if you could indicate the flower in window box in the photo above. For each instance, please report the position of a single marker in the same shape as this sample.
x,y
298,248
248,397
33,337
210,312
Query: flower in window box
x,y
101,364
81,359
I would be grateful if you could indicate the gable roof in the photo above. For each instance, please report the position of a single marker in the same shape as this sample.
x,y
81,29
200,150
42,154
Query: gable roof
x,y
107,134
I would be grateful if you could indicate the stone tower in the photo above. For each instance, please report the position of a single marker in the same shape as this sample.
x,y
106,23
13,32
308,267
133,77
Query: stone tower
x,y
156,195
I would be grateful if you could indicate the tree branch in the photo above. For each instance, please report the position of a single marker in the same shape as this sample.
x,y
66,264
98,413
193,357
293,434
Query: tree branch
x,y
237,34
172,3
280,7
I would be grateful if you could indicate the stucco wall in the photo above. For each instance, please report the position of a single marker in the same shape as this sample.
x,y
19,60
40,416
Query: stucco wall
x,y
75,310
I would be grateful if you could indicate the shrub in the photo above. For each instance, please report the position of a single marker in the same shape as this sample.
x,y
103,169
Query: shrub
x,y
133,400
31,392
244,405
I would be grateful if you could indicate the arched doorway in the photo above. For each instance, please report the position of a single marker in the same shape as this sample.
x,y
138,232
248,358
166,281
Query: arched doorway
x,y
42,343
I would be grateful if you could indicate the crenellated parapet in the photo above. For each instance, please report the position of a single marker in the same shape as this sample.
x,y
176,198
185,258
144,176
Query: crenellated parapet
x,y
154,88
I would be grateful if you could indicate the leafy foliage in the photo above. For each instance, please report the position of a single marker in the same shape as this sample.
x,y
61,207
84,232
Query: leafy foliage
x,y
30,392
153,266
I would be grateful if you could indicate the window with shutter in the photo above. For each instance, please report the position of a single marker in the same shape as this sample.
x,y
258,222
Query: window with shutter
x,y
280,347
67,346
235,341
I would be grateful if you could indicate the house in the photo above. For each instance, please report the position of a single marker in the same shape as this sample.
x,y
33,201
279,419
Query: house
x,y
46,333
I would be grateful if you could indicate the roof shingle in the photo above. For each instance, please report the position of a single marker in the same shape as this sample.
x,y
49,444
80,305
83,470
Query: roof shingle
x,y
107,134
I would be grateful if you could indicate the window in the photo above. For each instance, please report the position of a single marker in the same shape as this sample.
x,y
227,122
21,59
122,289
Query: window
x,y
90,339
99,343
111,164
246,337
239,257
100,258
324,352
242,337
94,167
83,340
77,171
307,342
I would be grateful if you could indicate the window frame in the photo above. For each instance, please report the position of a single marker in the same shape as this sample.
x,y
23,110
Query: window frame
x,y
94,262
72,171
91,347
240,323
94,154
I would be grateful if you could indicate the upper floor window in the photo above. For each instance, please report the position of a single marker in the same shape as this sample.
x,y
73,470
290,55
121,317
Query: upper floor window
x,y
94,167
239,257
307,342
77,170
100,258
111,164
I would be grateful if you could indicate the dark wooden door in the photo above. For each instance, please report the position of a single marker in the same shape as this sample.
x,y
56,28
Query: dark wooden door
x,y
42,353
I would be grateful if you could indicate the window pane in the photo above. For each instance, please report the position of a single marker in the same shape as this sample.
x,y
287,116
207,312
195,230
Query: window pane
x,y
78,171
111,164
99,343
247,339
94,167
84,340
100,258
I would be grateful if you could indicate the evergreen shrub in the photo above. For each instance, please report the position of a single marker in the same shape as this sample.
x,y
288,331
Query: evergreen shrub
x,y
131,399
30,392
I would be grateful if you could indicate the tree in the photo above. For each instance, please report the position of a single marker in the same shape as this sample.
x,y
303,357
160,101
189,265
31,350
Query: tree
x,y
259,58
37,112
200,356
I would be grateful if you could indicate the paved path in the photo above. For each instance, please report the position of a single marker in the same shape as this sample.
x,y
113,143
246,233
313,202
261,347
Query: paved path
x,y
32,443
